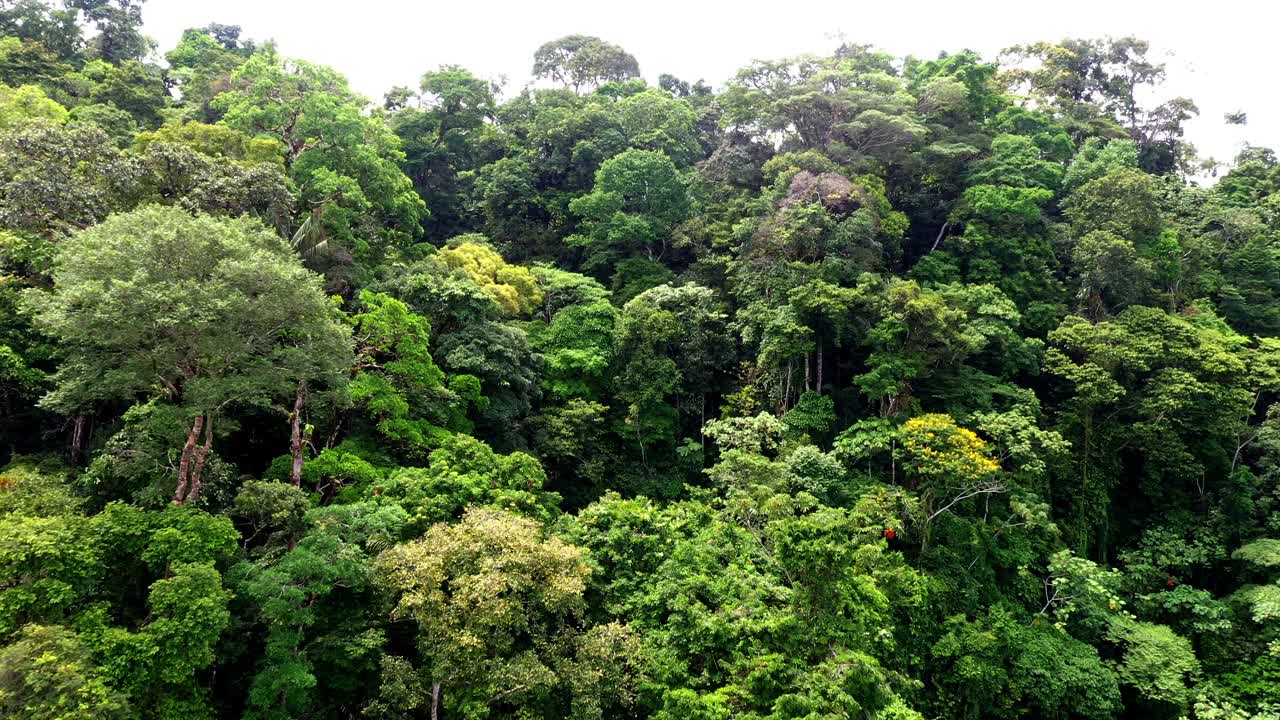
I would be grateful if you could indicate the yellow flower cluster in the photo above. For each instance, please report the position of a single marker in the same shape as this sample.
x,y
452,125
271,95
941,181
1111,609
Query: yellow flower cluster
x,y
935,446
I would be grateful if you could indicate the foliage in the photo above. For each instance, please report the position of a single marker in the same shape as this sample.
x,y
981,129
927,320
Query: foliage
x,y
512,287
583,62
48,673
507,587
859,387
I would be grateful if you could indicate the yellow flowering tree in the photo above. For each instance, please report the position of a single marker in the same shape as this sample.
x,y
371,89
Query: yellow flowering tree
x,y
513,287
947,464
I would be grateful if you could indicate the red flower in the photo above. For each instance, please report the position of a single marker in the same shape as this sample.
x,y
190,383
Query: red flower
x,y
889,534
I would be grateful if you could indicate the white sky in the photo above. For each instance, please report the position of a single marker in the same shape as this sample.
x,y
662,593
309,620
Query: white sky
x,y
1219,53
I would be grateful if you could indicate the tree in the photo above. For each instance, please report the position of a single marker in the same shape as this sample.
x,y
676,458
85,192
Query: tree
x,y
202,62
948,465
397,382
55,179
651,120
1158,663
501,357
513,287
205,313
577,346
48,673
847,103
443,139
671,340
314,600
495,603
159,640
638,199
1123,202
582,62
27,103
464,472
183,172
764,604
147,611
119,24
48,568
1182,385
1097,85
131,86
917,333
994,665
1005,235
1111,274
42,25
344,163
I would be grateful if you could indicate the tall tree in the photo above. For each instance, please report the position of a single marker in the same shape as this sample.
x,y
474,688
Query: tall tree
x,y
582,62
346,165
119,25
205,313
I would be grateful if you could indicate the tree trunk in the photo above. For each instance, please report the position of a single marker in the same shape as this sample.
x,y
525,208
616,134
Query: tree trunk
x,y
435,701
295,436
702,426
819,388
332,438
938,239
197,469
79,438
1097,308
786,391
893,461
184,465
644,460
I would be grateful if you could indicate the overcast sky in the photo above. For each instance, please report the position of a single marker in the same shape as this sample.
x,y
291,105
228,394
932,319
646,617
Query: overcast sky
x,y
1220,53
